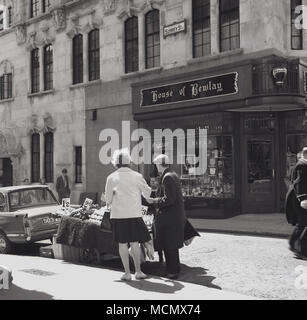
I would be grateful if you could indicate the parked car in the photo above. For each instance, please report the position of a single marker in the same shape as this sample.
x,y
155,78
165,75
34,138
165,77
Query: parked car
x,y
27,214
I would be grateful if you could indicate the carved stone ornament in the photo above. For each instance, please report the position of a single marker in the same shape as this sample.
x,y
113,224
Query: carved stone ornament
x,y
59,19
109,6
31,42
6,67
128,11
93,23
21,34
74,27
46,37
49,125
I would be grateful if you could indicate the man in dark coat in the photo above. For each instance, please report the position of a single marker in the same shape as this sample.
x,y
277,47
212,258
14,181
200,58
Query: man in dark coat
x,y
170,219
296,215
62,186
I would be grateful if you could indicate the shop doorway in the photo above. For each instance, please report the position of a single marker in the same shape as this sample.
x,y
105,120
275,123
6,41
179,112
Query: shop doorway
x,y
6,172
259,174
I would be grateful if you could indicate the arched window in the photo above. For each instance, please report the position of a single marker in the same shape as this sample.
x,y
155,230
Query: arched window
x,y
77,44
48,158
6,80
48,67
201,28
93,55
35,70
131,45
152,38
35,157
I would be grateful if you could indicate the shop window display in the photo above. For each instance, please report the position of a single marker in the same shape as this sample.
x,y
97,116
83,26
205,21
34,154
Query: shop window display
x,y
218,180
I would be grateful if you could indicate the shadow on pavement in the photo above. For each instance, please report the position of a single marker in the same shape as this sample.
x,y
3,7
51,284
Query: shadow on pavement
x,y
168,286
17,293
194,275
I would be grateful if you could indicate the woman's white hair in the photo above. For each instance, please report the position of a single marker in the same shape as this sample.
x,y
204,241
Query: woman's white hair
x,y
121,157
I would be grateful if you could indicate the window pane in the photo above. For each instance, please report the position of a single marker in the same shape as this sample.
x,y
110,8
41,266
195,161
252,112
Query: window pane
x,y
35,66
35,163
152,21
48,161
94,55
201,26
131,45
77,59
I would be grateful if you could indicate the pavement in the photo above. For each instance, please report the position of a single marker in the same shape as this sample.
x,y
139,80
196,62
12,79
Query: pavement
x,y
36,278
267,225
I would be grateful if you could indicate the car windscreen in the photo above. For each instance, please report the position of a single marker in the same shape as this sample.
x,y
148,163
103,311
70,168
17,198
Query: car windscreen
x,y
30,198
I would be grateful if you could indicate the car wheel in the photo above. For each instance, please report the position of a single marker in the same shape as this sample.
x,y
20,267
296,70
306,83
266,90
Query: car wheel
x,y
5,244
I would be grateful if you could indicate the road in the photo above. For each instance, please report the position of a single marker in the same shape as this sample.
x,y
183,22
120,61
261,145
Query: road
x,y
252,266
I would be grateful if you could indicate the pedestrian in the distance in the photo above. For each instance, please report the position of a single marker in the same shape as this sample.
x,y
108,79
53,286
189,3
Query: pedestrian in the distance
x,y
62,186
170,219
123,193
296,214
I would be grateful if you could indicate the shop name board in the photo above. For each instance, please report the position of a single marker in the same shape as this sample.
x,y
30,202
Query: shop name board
x,y
174,28
204,88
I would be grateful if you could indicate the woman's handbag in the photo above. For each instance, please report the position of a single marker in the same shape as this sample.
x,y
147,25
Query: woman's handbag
x,y
106,221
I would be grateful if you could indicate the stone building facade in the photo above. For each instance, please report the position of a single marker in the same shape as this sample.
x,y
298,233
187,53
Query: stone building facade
x,y
260,41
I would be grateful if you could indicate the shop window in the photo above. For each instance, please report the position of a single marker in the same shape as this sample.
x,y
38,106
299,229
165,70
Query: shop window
x,y
35,67
131,45
35,157
48,158
77,59
152,31
48,67
78,164
229,25
218,181
201,28
35,7
296,33
6,86
94,55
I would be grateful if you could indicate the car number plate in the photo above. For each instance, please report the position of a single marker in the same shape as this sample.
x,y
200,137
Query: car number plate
x,y
50,220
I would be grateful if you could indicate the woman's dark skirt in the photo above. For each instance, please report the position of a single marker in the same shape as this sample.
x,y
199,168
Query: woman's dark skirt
x,y
130,230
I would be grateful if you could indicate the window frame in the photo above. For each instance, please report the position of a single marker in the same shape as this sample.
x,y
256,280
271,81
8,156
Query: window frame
x,y
35,70
34,8
299,33
228,12
94,55
48,67
35,158
78,164
131,62
155,14
49,157
45,5
77,58
202,18
6,86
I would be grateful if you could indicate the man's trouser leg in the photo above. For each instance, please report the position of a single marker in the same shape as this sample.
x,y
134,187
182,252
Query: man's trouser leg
x,y
172,261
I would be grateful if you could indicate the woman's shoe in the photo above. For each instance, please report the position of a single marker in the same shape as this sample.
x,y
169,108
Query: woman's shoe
x,y
140,276
126,277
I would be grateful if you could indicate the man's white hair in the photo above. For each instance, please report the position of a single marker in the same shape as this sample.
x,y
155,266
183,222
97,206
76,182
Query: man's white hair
x,y
121,157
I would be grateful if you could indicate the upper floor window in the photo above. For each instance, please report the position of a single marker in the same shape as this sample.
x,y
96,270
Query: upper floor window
x,y
201,28
6,86
94,55
10,16
229,25
131,45
46,5
34,8
48,157
48,67
296,33
35,69
152,31
77,55
35,157
1,20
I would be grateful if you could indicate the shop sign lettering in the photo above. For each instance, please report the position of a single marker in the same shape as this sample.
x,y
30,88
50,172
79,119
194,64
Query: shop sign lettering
x,y
222,85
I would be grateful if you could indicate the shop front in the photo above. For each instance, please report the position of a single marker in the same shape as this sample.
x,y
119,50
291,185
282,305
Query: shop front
x,y
255,122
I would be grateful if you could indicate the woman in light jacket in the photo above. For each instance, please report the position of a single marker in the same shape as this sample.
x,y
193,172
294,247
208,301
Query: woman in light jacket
x,y
124,190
